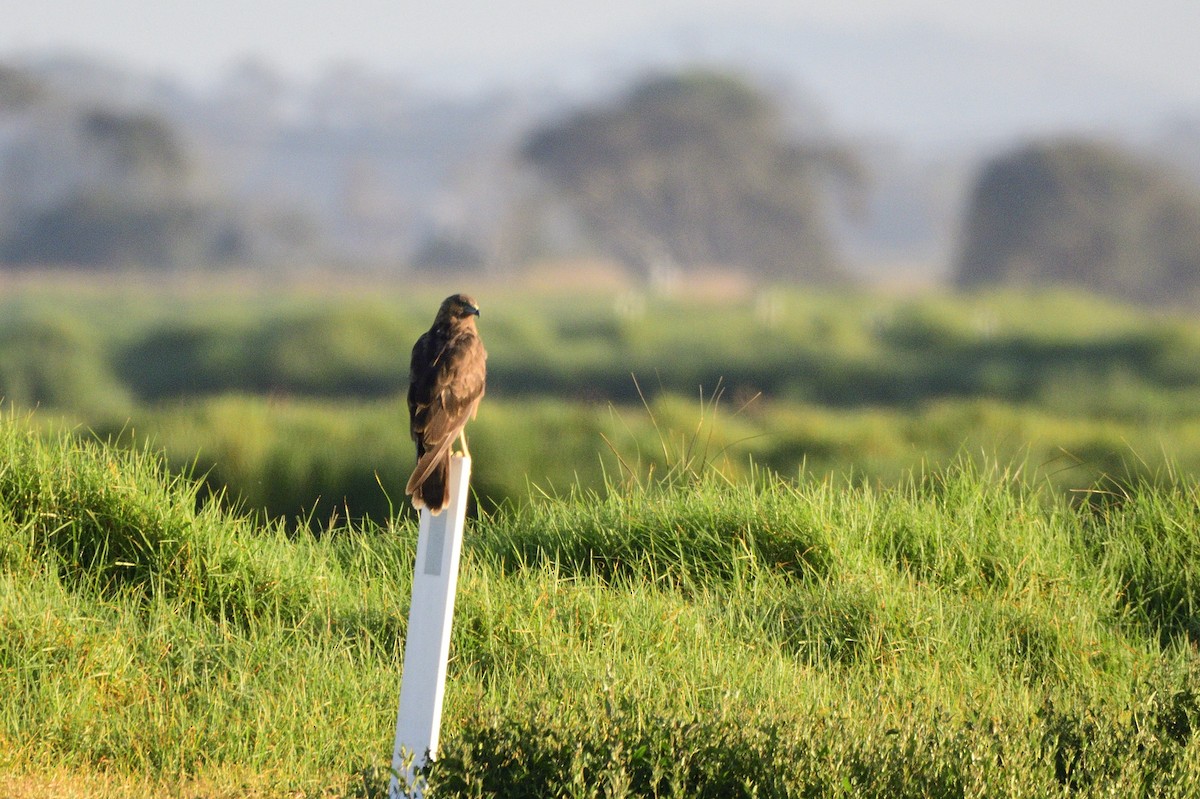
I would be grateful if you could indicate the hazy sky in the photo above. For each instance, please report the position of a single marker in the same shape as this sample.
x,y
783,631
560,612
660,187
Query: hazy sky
x,y
1149,40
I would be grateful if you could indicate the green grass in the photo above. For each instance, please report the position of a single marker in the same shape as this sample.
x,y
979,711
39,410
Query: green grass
x,y
291,399
963,632
950,550
313,460
115,347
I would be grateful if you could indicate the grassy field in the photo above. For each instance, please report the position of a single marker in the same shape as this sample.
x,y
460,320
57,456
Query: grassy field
x,y
774,545
290,399
108,348
312,460
962,633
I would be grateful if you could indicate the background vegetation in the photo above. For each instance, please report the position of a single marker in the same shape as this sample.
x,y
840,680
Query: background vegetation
x,y
668,176
696,168
292,401
1077,212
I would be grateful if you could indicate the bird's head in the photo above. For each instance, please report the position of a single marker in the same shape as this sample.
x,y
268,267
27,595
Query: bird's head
x,y
457,307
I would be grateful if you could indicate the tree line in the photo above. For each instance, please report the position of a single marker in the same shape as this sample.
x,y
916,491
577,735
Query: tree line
x,y
681,171
98,187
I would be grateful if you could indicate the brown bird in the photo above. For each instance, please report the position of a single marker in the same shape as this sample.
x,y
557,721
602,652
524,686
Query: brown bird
x,y
446,382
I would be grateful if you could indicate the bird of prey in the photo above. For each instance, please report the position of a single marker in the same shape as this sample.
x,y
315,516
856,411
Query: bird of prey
x,y
446,382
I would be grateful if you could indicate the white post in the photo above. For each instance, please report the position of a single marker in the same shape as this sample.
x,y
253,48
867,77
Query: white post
x,y
427,644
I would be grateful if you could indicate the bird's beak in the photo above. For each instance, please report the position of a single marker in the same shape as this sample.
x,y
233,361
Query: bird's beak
x,y
471,310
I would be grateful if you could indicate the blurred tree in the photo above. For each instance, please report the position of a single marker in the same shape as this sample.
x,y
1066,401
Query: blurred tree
x,y
447,253
18,89
106,229
55,360
140,151
693,169
98,186
1082,213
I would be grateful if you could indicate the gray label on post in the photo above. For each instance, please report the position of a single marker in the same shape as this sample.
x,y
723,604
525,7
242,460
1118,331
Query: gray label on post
x,y
437,543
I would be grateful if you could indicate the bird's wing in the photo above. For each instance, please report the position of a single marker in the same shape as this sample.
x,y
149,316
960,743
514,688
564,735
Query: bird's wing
x,y
422,377
456,388
441,405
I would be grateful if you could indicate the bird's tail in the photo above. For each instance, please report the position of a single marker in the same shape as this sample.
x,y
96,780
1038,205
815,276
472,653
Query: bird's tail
x,y
429,484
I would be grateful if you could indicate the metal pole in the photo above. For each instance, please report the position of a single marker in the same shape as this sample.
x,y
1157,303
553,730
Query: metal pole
x,y
427,644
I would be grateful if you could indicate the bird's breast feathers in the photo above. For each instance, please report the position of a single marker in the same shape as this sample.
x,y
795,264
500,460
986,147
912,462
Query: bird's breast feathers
x,y
459,372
